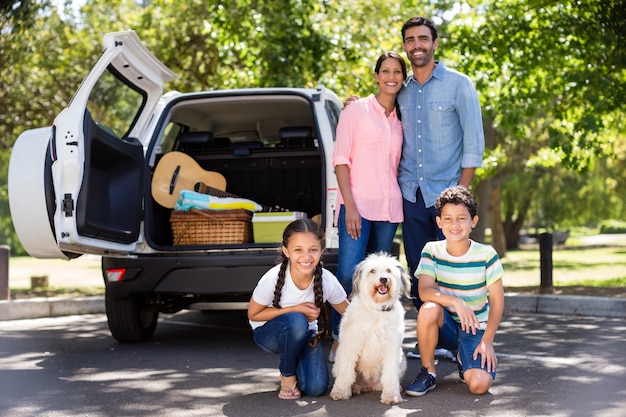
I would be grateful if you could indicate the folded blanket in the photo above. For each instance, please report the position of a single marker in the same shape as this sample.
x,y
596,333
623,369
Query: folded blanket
x,y
193,200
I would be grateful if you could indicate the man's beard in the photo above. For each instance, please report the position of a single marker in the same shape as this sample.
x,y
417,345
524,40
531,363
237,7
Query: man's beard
x,y
425,59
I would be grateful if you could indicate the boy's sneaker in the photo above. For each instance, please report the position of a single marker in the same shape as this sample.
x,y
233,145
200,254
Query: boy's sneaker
x,y
422,383
459,365
414,353
439,352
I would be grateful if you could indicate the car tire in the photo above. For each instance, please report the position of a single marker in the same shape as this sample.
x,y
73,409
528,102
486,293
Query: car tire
x,y
130,319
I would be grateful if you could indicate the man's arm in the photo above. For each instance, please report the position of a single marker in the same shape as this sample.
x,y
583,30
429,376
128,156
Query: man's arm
x,y
471,121
467,174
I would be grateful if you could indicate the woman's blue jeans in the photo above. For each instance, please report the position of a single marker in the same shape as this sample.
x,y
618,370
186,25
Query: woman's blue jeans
x,y
289,336
376,236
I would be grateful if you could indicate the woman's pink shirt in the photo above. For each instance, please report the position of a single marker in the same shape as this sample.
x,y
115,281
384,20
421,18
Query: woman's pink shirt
x,y
370,144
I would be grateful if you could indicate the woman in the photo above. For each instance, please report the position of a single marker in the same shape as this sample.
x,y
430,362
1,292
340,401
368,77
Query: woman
x,y
366,158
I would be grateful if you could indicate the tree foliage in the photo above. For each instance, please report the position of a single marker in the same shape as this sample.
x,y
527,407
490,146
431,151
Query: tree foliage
x,y
551,76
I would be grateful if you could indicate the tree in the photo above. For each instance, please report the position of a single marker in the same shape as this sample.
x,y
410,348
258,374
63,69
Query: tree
x,y
23,101
211,44
551,75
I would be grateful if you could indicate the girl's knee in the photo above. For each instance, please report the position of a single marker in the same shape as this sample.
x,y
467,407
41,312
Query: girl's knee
x,y
297,325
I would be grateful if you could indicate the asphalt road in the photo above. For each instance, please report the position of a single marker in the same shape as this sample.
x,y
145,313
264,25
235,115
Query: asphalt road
x,y
206,364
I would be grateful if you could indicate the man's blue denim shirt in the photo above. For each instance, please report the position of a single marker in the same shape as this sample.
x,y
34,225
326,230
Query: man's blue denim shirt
x,y
443,133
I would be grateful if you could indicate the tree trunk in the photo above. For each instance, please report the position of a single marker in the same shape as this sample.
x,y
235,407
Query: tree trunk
x,y
513,226
498,240
483,189
481,192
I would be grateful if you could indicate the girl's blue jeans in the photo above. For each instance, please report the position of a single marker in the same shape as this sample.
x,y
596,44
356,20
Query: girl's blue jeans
x,y
376,236
288,335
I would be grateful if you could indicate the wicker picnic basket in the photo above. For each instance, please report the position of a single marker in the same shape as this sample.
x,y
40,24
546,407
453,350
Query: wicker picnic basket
x,y
207,227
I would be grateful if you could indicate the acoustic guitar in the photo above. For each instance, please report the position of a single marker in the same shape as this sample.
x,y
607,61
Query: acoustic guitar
x,y
177,171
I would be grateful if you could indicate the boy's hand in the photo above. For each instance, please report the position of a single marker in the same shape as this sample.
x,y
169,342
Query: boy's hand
x,y
469,322
487,355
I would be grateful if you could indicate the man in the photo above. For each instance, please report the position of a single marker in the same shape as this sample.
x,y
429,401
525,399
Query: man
x,y
443,141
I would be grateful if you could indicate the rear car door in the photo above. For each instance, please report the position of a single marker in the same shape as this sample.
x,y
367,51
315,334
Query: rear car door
x,y
77,187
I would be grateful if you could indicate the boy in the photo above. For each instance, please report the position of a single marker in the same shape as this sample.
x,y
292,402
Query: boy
x,y
455,277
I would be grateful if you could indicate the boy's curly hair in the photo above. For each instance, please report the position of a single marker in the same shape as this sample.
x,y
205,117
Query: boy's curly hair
x,y
457,195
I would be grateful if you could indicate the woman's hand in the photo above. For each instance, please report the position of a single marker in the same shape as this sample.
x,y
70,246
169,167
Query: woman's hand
x,y
353,222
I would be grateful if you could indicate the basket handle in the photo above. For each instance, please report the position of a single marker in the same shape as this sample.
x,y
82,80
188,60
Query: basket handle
x,y
201,212
182,234
207,215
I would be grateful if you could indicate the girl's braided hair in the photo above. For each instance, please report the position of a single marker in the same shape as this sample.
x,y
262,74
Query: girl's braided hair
x,y
304,226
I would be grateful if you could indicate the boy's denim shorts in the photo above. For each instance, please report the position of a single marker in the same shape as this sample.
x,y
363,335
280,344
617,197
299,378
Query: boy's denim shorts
x,y
453,338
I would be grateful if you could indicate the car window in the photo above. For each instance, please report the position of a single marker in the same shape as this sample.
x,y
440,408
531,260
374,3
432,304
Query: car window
x,y
172,130
333,116
114,104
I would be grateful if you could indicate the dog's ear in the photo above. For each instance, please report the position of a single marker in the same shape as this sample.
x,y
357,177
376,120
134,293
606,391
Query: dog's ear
x,y
357,277
406,280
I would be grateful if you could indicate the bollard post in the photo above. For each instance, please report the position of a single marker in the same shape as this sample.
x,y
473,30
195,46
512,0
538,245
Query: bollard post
x,y
545,262
5,293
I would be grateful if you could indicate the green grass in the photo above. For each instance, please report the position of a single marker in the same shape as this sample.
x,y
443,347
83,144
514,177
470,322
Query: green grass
x,y
22,292
613,282
588,267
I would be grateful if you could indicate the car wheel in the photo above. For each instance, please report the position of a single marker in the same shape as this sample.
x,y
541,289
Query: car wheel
x,y
131,319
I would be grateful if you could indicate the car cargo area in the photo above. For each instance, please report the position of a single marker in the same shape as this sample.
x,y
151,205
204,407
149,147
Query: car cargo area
x,y
265,145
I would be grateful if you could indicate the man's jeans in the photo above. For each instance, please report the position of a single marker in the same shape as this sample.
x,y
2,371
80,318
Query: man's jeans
x,y
419,227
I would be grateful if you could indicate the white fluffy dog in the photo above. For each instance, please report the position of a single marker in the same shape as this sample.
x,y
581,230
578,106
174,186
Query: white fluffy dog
x,y
369,356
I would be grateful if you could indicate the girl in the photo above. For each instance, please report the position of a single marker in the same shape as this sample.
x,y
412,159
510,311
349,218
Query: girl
x,y
286,304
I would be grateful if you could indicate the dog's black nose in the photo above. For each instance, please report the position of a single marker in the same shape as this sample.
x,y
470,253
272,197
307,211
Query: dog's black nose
x,y
383,280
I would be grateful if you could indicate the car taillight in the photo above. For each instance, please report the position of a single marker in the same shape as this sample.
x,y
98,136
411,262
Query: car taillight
x,y
115,275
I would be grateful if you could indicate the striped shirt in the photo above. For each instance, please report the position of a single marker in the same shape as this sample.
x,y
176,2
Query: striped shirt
x,y
466,277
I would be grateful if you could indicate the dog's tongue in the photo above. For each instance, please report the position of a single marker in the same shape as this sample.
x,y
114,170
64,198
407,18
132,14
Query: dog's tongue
x,y
382,289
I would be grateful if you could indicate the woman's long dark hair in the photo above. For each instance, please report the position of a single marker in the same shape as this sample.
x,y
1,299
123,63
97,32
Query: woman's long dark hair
x,y
397,57
304,226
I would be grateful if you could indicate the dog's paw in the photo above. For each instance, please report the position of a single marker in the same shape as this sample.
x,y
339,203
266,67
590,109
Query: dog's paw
x,y
391,399
340,394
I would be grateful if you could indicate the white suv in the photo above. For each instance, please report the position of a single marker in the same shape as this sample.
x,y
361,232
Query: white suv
x,y
84,185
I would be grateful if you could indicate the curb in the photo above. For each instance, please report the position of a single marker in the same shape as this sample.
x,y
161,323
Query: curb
x,y
542,304
50,307
577,305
